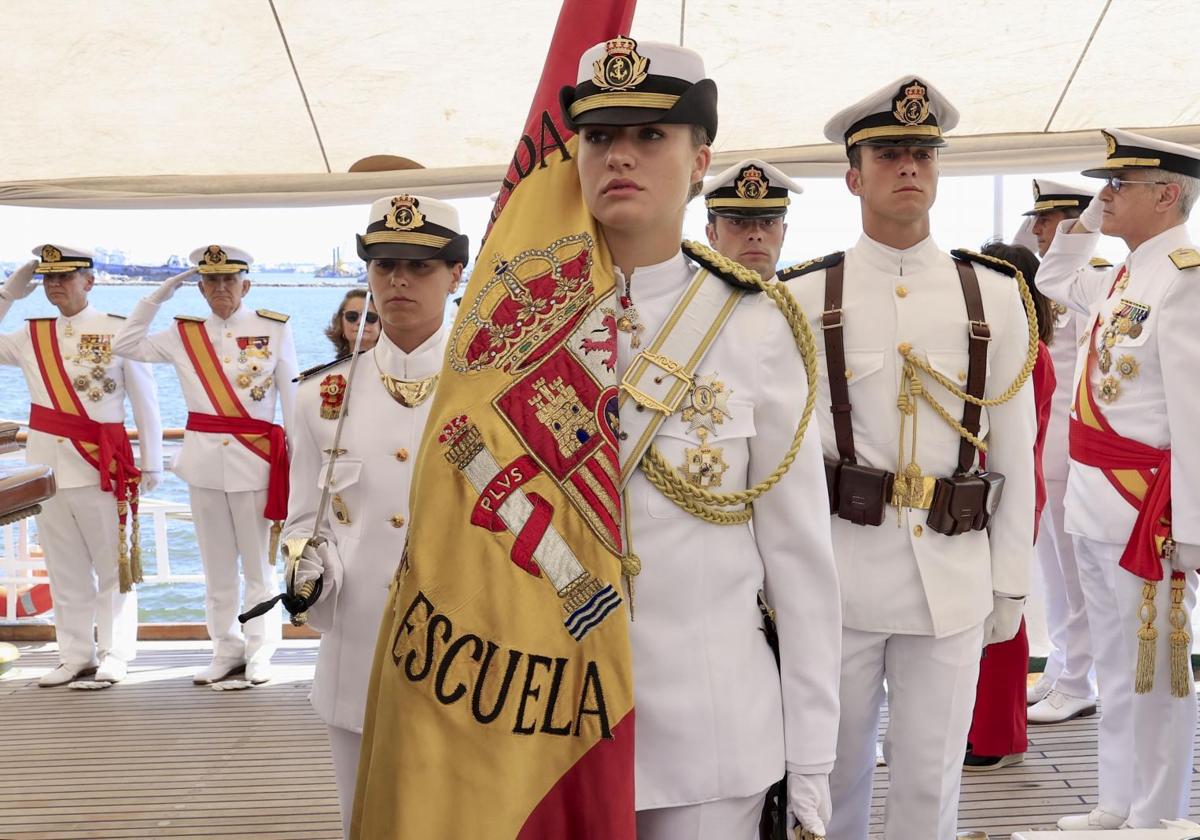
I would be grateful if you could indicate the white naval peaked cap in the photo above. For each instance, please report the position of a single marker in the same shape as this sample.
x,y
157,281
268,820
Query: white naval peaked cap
x,y
413,227
908,112
61,259
1051,195
626,82
751,188
221,259
1127,150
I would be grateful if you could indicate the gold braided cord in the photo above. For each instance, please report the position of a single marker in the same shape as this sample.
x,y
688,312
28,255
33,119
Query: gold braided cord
x,y
706,504
916,363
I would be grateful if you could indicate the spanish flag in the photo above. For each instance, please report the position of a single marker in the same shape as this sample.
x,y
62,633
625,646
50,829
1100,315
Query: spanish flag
x,y
501,697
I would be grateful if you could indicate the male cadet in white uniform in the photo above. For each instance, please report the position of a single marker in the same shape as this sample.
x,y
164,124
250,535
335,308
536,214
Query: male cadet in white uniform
x,y
1066,688
746,207
78,389
1133,498
918,604
415,255
234,457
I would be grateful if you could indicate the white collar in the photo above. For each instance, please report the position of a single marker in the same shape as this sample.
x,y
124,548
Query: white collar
x,y
664,279
423,361
906,261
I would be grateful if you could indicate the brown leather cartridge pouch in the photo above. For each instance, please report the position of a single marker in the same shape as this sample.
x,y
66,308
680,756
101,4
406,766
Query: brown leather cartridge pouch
x,y
863,493
958,503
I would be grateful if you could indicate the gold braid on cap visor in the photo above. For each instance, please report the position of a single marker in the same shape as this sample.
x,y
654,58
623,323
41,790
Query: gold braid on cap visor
x,y
657,101
405,238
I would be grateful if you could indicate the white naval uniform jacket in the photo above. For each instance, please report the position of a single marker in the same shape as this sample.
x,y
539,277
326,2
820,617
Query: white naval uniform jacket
x,y
1160,406
902,576
1068,327
218,461
380,439
130,378
714,717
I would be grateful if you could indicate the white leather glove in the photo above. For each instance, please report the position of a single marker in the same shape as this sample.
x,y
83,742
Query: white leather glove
x,y
809,801
1005,620
150,480
20,283
169,286
1092,215
1187,558
1024,236
309,566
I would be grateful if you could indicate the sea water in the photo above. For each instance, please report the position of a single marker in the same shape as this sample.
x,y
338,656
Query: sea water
x,y
310,306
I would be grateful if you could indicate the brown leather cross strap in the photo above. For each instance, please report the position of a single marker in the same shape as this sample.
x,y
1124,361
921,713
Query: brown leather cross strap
x,y
979,334
832,324
835,361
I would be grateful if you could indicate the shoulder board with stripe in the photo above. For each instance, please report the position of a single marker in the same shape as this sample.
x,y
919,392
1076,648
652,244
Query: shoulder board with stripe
x,y
42,318
197,319
995,264
321,368
1099,262
731,272
809,266
272,315
115,315
1185,258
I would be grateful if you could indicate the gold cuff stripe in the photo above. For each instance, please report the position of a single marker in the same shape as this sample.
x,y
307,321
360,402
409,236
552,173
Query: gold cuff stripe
x,y
659,101
1119,163
894,131
748,202
406,238
1040,206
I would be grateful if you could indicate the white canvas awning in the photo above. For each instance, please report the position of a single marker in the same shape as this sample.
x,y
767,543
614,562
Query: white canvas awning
x,y
187,103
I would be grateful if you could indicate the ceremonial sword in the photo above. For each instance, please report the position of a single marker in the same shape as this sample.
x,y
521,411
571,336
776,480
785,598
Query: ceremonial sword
x,y
297,603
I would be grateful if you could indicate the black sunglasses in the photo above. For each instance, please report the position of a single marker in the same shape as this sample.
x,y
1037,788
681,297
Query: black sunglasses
x,y
351,315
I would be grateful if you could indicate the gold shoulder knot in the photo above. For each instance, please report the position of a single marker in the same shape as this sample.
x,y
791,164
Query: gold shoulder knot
x,y
1185,258
272,315
994,263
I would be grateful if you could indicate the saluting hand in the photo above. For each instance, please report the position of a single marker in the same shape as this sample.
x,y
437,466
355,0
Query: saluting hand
x,y
1091,217
20,282
164,292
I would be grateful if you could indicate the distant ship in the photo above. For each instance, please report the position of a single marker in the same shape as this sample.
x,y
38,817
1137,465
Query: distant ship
x,y
132,271
339,269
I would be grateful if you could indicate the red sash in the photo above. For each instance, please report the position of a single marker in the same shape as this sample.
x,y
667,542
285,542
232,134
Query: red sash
x,y
264,439
1140,473
242,427
103,445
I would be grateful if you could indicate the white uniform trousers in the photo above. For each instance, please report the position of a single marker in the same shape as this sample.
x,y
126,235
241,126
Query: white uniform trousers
x,y
229,525
1069,665
931,695
345,746
78,532
1145,739
721,819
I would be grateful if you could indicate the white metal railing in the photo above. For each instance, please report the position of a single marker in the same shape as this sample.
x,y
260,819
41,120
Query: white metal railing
x,y
22,568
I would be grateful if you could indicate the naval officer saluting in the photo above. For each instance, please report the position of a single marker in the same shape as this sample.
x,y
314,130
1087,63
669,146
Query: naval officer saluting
x,y
1133,500
231,366
933,564
415,255
78,390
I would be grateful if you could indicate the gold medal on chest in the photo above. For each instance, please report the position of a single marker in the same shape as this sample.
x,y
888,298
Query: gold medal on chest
x,y
704,465
708,404
410,393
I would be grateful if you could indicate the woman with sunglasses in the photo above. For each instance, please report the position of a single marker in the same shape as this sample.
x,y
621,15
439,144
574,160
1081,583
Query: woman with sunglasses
x,y
343,327
415,256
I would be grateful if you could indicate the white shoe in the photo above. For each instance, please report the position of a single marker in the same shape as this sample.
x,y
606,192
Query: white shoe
x,y
1057,707
1038,691
258,670
111,670
220,668
1097,820
64,673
